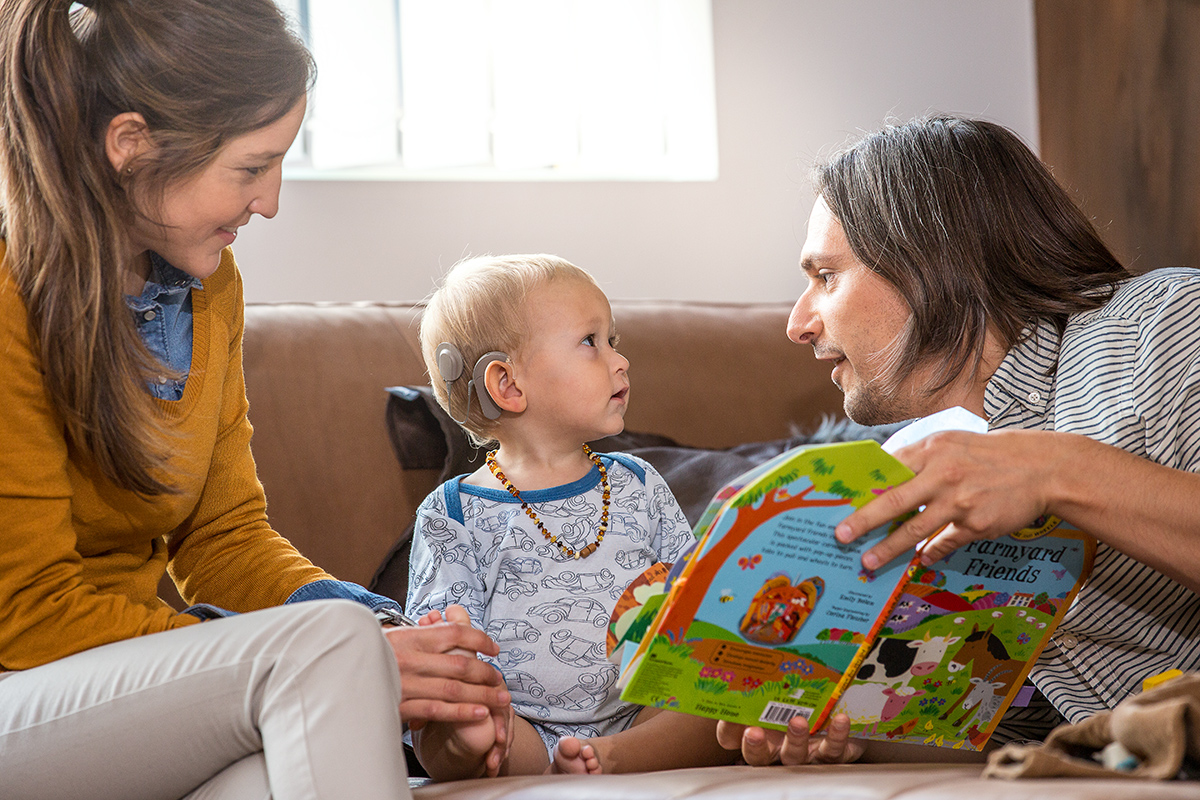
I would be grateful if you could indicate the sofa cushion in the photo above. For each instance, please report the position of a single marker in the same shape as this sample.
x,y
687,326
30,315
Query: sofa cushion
x,y
424,437
820,782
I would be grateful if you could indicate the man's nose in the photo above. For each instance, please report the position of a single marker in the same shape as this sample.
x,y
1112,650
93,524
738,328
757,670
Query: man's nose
x,y
803,324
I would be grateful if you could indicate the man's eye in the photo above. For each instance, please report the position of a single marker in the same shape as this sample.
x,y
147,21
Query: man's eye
x,y
824,277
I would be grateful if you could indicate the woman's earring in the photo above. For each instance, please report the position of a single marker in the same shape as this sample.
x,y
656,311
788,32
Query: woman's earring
x,y
129,170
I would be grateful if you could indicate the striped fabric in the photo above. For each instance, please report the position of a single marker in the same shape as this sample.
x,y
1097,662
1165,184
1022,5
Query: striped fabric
x,y
1128,374
1032,723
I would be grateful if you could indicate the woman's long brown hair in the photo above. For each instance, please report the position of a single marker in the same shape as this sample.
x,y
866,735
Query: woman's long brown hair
x,y
200,72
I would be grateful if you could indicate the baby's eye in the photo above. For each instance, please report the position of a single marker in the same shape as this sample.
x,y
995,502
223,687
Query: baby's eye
x,y
613,341
589,340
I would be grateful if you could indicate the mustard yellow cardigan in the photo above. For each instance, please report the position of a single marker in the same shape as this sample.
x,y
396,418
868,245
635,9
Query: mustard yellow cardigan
x,y
80,559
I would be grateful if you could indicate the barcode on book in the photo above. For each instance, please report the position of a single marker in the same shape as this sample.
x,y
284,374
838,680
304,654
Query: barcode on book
x,y
780,713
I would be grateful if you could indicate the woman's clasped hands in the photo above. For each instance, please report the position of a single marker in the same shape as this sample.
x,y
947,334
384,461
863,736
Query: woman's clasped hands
x,y
442,680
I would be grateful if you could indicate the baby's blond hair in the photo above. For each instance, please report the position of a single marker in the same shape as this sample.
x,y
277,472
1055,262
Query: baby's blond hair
x,y
480,307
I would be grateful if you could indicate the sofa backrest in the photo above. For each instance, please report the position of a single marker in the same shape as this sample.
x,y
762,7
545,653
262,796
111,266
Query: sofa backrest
x,y
705,374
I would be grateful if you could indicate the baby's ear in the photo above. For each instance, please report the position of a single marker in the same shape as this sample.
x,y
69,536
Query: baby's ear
x,y
501,382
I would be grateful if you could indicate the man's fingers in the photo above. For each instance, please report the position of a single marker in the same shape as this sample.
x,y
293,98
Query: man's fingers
x,y
944,543
461,636
894,503
760,747
901,542
832,747
898,500
729,735
794,749
886,507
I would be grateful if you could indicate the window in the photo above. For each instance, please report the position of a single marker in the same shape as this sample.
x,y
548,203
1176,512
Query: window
x,y
508,89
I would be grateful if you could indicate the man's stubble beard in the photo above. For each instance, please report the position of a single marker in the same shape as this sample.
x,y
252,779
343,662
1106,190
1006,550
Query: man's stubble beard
x,y
870,403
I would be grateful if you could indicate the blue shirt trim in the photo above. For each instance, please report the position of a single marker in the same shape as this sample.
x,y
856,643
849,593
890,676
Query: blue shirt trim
x,y
455,487
628,462
451,489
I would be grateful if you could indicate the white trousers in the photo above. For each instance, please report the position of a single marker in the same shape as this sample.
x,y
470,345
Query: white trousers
x,y
299,702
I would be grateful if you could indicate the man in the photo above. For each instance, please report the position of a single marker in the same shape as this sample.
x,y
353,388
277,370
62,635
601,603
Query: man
x,y
946,267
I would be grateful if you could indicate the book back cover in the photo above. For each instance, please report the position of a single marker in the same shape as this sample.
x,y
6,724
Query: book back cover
x,y
956,646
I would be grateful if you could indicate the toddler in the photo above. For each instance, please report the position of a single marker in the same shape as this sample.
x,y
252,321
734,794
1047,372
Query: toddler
x,y
540,541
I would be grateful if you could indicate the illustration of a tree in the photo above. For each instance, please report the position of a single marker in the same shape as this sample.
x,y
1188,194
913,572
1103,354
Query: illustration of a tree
x,y
860,470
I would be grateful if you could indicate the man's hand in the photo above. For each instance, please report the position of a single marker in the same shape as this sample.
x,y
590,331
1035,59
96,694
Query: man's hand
x,y
973,486
440,677
761,747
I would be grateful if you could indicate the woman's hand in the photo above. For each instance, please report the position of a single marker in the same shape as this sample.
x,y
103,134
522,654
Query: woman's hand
x,y
973,486
501,716
761,747
440,677
494,760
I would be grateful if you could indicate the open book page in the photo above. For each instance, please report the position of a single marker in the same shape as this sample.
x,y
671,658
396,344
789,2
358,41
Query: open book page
x,y
771,617
629,638
746,631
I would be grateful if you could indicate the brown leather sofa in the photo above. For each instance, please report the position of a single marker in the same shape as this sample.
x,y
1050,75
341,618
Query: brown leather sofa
x,y
708,375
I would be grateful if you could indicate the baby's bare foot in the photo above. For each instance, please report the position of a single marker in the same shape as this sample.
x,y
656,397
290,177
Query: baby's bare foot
x,y
574,757
473,740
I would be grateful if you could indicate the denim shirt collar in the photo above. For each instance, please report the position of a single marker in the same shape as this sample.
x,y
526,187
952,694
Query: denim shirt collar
x,y
164,281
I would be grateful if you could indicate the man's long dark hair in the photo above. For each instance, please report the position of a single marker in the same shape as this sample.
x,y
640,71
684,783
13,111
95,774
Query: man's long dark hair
x,y
972,230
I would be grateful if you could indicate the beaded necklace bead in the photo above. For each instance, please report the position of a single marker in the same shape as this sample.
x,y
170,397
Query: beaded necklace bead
x,y
606,494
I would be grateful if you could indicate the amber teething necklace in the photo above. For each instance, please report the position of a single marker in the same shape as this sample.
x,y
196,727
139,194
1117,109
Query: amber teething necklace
x,y
606,493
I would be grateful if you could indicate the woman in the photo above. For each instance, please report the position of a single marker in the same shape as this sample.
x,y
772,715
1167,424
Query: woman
x,y
136,138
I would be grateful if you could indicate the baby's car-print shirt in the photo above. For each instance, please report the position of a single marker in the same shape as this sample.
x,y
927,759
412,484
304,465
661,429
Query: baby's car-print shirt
x,y
548,612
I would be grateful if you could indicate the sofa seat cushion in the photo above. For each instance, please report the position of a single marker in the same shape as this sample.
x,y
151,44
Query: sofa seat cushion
x,y
825,782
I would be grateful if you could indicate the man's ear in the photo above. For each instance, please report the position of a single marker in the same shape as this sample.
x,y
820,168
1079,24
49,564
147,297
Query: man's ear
x,y
501,382
126,137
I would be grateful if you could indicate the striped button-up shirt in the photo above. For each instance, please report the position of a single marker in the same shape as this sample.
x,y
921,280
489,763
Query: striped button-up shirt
x,y
1127,374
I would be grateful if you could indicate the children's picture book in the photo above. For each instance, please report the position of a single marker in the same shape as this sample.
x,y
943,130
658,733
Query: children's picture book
x,y
769,617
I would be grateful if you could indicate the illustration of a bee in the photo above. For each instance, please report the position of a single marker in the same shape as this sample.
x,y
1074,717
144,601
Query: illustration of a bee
x,y
725,597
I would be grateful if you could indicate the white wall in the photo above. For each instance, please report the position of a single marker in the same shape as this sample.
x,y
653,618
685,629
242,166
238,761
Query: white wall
x,y
795,79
